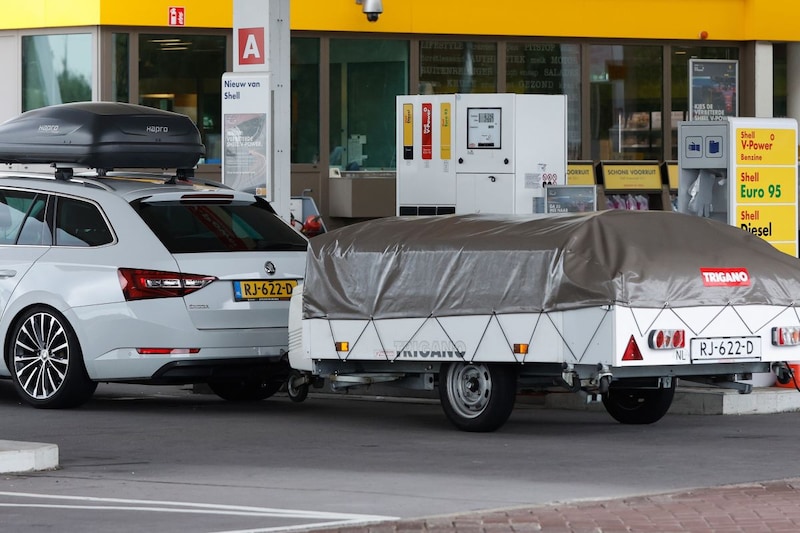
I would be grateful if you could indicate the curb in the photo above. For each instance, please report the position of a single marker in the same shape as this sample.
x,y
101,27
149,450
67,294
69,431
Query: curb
x,y
17,457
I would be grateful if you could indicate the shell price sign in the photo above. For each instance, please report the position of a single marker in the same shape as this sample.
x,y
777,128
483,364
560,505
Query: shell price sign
x,y
765,171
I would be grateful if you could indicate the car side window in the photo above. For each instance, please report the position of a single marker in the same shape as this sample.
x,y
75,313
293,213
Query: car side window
x,y
80,223
22,210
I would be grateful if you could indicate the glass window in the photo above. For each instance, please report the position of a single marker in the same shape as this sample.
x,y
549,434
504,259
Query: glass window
x,y
305,100
549,68
625,94
56,69
22,210
680,81
183,73
120,74
80,223
218,227
365,78
457,67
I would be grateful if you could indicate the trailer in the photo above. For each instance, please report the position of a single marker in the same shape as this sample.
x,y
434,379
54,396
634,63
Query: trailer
x,y
619,305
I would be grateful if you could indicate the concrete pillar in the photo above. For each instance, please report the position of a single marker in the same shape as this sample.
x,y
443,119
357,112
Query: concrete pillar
x,y
793,80
763,79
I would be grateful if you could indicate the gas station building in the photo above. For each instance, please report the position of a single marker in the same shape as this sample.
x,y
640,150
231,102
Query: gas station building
x,y
623,66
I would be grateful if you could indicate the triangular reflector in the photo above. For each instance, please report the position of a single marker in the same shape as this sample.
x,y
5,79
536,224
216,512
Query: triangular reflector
x,y
632,352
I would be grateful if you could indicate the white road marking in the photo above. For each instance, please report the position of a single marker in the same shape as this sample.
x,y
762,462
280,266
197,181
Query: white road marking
x,y
330,519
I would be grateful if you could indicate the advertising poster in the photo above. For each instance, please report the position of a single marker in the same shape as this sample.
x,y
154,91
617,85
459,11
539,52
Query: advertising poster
x,y
713,89
245,142
571,198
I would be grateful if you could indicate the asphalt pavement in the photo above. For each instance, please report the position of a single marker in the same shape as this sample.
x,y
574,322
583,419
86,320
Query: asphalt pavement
x,y
770,505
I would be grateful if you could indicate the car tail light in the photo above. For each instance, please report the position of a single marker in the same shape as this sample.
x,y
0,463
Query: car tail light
x,y
666,339
788,336
138,284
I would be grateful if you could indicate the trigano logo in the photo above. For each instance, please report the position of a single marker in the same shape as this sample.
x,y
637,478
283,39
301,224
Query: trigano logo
x,y
725,277
251,46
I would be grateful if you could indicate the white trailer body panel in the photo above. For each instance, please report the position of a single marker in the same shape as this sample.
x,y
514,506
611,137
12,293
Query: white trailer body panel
x,y
591,336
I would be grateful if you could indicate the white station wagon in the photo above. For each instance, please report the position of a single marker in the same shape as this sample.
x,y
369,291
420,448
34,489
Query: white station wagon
x,y
122,275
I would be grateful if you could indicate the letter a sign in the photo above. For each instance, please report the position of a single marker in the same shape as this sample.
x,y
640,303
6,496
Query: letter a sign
x,y
251,46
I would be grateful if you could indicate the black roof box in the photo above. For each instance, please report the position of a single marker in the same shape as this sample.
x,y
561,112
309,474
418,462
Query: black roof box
x,y
103,135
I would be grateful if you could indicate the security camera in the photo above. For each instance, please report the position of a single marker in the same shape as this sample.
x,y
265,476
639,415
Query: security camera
x,y
372,9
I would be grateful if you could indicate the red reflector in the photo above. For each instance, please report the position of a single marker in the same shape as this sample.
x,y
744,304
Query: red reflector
x,y
168,351
632,352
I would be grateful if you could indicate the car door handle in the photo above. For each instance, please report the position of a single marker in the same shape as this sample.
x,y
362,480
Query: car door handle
x,y
8,273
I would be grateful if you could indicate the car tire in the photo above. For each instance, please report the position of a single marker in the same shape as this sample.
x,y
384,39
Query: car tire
x,y
244,390
46,361
477,397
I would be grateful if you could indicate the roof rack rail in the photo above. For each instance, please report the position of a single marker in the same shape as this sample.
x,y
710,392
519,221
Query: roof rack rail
x,y
103,136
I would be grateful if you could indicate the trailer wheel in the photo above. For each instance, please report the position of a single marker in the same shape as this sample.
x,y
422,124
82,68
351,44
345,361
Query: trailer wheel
x,y
297,386
477,396
638,406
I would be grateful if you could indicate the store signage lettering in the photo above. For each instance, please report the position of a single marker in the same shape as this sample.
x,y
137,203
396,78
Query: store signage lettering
x,y
769,222
766,146
580,174
251,46
632,177
236,85
765,189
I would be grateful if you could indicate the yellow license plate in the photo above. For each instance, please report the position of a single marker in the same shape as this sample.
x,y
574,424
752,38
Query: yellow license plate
x,y
273,289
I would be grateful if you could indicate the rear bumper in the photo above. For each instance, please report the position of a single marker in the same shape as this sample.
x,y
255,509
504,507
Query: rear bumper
x,y
205,370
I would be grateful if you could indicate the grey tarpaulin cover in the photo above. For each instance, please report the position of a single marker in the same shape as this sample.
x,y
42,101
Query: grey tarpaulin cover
x,y
400,267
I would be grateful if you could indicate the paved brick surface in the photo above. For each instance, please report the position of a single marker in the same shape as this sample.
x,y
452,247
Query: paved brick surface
x,y
765,507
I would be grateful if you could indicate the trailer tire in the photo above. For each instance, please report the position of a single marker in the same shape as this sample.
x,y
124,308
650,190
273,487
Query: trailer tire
x,y
477,397
638,406
297,387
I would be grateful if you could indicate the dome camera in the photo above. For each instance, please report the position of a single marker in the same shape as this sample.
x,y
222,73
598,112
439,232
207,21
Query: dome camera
x,y
372,9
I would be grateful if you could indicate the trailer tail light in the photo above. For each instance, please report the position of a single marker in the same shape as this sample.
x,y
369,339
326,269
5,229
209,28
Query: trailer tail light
x,y
521,349
632,352
666,339
342,346
788,336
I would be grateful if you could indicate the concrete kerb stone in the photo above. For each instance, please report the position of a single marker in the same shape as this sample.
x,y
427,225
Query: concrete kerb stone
x,y
19,457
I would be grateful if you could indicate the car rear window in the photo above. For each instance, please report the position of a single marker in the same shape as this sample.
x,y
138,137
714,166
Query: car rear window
x,y
191,227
